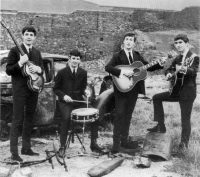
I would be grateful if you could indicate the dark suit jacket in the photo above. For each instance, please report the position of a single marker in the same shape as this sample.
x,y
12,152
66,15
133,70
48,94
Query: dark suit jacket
x,y
12,68
65,84
120,58
188,90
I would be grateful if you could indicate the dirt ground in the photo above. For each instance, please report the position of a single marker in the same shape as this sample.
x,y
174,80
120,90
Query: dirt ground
x,y
78,166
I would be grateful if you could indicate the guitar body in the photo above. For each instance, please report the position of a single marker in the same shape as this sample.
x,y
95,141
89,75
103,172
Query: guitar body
x,y
35,81
125,84
176,84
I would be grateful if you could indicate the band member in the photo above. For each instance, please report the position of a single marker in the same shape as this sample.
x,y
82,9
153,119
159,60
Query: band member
x,y
125,102
24,99
70,84
186,65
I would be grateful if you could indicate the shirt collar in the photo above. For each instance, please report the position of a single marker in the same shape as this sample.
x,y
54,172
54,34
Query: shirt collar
x,y
27,47
127,54
184,54
72,69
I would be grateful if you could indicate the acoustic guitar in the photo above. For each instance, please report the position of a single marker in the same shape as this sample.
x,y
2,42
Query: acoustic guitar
x,y
124,83
35,81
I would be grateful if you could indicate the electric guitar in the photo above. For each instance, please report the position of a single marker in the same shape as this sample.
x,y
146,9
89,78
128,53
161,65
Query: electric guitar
x,y
176,81
35,81
124,83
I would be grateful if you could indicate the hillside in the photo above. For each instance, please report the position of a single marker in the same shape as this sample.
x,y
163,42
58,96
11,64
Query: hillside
x,y
48,6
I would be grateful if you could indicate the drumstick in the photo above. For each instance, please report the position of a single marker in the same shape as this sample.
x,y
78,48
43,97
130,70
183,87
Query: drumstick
x,y
79,101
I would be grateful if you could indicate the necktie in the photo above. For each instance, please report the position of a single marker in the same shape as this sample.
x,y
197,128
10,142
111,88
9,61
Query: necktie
x,y
130,58
74,73
29,52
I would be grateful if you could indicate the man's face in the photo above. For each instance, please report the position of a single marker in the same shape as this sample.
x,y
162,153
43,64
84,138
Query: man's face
x,y
28,38
129,42
74,61
180,45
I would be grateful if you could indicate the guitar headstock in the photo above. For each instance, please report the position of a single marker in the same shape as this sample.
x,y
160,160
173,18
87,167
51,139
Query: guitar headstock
x,y
4,24
172,54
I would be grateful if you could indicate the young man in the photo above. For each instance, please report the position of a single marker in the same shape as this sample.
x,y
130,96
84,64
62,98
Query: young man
x,y
70,84
187,94
125,102
24,99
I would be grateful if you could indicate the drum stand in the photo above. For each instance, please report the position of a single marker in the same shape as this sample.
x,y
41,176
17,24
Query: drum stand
x,y
73,132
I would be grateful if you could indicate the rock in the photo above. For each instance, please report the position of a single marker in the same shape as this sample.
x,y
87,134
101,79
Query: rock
x,y
22,172
3,171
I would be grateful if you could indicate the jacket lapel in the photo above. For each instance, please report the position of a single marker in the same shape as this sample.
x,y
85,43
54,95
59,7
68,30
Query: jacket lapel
x,y
124,57
69,72
24,49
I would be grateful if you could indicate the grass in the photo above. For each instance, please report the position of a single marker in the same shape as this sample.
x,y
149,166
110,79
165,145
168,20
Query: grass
x,y
187,163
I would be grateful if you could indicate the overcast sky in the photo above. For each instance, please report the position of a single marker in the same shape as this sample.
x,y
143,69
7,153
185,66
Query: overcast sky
x,y
152,4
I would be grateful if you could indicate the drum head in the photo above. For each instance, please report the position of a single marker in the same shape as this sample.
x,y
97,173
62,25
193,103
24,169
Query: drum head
x,y
84,111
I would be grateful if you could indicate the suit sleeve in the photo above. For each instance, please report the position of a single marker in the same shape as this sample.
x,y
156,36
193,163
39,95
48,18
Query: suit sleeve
x,y
57,86
41,63
172,67
110,67
12,67
84,84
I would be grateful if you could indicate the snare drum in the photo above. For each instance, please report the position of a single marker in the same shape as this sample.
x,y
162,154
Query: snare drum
x,y
85,115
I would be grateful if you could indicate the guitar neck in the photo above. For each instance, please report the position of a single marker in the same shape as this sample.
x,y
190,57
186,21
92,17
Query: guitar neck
x,y
145,67
16,43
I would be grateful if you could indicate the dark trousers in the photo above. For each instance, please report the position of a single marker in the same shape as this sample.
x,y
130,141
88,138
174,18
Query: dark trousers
x,y
124,106
186,109
24,105
65,110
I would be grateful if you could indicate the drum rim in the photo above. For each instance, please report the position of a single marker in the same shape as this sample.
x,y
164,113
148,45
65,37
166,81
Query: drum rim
x,y
74,113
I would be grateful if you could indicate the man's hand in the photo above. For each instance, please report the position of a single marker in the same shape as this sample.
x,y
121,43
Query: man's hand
x,y
181,69
23,60
162,61
127,73
67,98
169,76
34,69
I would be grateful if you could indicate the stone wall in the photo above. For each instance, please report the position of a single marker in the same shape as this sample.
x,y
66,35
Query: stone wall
x,y
95,33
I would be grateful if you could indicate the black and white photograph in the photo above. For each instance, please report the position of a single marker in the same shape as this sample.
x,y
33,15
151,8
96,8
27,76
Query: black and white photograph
x,y
99,88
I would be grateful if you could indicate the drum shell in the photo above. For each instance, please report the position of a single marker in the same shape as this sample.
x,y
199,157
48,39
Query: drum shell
x,y
158,145
77,117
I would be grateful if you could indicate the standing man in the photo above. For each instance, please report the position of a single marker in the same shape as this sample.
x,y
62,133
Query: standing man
x,y
187,93
70,84
125,102
24,99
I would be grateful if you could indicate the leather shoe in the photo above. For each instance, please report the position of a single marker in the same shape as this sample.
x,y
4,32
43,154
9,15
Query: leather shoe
x,y
182,146
130,145
114,152
96,148
158,128
29,152
16,157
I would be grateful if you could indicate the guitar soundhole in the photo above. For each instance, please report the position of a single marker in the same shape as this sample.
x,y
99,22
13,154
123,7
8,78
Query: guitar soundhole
x,y
136,71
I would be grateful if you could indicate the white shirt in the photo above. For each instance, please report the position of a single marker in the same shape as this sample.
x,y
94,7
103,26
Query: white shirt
x,y
72,69
127,54
184,55
28,47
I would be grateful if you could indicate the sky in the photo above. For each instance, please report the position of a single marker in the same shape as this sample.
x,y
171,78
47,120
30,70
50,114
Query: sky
x,y
152,4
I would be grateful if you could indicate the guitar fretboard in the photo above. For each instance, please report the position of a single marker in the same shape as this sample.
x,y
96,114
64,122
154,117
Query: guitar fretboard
x,y
145,67
16,43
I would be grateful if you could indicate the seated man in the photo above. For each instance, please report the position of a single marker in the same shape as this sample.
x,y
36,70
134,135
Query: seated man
x,y
70,85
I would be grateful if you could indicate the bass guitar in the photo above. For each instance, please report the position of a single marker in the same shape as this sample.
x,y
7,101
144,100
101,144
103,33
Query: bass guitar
x,y
35,81
124,83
